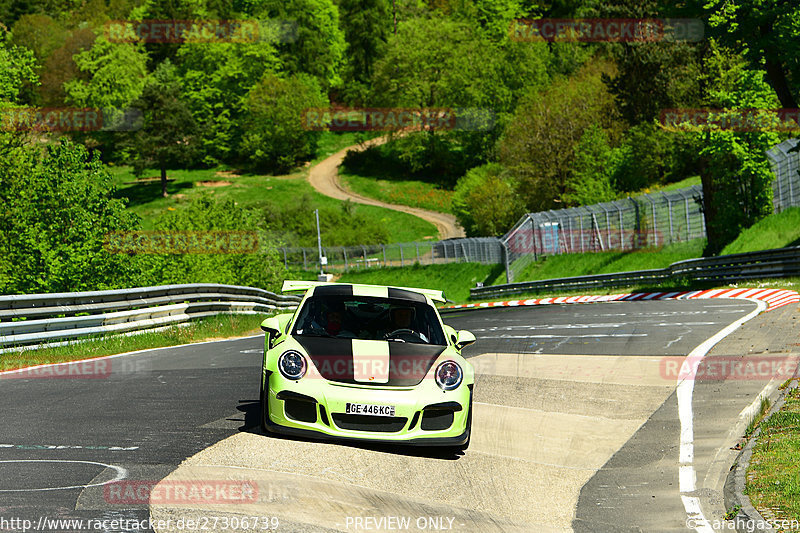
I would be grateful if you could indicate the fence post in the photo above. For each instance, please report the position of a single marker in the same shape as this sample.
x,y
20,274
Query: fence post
x,y
688,223
504,253
669,209
346,264
417,245
285,260
305,263
383,246
637,225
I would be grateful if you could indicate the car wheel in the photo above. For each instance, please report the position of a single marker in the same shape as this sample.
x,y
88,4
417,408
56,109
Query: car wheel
x,y
264,409
464,446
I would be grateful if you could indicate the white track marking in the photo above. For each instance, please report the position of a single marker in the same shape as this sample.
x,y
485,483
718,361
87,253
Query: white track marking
x,y
684,392
121,474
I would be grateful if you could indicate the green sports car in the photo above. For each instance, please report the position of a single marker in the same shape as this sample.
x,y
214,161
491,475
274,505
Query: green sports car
x,y
366,362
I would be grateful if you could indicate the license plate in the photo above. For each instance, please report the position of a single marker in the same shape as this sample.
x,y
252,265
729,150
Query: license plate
x,y
368,409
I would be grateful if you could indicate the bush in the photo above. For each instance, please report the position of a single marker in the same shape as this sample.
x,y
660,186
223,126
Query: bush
x,y
485,202
273,135
57,209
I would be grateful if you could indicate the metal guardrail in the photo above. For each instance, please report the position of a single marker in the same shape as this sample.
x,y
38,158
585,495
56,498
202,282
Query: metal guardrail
x,y
32,319
777,263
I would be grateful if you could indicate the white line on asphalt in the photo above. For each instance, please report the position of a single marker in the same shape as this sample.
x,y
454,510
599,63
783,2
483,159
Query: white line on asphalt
x,y
121,474
563,336
684,392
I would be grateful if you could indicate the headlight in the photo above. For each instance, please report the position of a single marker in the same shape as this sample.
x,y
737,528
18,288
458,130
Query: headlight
x,y
292,365
448,375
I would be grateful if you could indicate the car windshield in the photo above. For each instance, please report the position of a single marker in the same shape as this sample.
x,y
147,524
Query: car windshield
x,y
369,318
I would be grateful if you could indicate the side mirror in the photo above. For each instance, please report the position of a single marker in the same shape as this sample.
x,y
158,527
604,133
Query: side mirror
x,y
463,339
271,326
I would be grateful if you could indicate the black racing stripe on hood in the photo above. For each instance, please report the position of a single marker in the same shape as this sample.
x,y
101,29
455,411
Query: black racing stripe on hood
x,y
333,358
409,363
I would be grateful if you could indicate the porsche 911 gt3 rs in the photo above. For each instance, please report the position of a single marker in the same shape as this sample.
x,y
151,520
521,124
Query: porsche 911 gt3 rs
x,y
369,363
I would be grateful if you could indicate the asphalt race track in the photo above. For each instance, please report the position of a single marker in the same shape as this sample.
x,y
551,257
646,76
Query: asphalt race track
x,y
575,428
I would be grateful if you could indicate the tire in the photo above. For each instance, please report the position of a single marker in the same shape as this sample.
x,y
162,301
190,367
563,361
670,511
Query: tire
x,y
464,446
264,404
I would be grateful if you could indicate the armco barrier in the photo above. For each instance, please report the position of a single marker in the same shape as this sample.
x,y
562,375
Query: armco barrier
x,y
778,263
31,319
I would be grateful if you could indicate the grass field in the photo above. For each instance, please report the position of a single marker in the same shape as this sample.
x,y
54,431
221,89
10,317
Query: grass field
x,y
413,193
775,231
568,265
250,190
773,481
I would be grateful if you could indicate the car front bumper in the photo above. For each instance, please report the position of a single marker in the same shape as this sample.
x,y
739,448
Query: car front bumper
x,y
424,415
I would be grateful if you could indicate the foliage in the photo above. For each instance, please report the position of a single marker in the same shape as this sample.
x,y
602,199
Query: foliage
x,y
17,68
295,224
485,201
736,175
258,269
57,209
167,139
216,78
768,35
366,25
595,165
114,72
318,47
273,135
538,146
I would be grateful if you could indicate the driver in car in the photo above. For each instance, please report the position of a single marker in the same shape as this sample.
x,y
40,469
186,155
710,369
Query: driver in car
x,y
401,319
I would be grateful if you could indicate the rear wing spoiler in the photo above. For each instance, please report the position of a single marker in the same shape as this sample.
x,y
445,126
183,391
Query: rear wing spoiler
x,y
295,286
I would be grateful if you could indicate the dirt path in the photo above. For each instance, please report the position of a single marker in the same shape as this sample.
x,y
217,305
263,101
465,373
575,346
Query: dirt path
x,y
324,177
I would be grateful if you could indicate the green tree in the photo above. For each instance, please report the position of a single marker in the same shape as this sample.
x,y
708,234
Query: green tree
x,y
485,201
595,164
113,75
216,78
435,62
17,69
735,172
168,137
366,25
257,268
768,35
538,145
273,136
319,44
56,210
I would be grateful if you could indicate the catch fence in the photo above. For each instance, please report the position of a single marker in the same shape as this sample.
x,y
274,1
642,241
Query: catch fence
x,y
487,250
648,220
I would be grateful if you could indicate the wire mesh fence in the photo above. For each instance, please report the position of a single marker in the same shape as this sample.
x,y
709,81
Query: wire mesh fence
x,y
654,219
648,220
785,161
487,250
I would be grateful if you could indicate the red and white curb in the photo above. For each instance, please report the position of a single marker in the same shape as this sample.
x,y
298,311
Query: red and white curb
x,y
774,298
